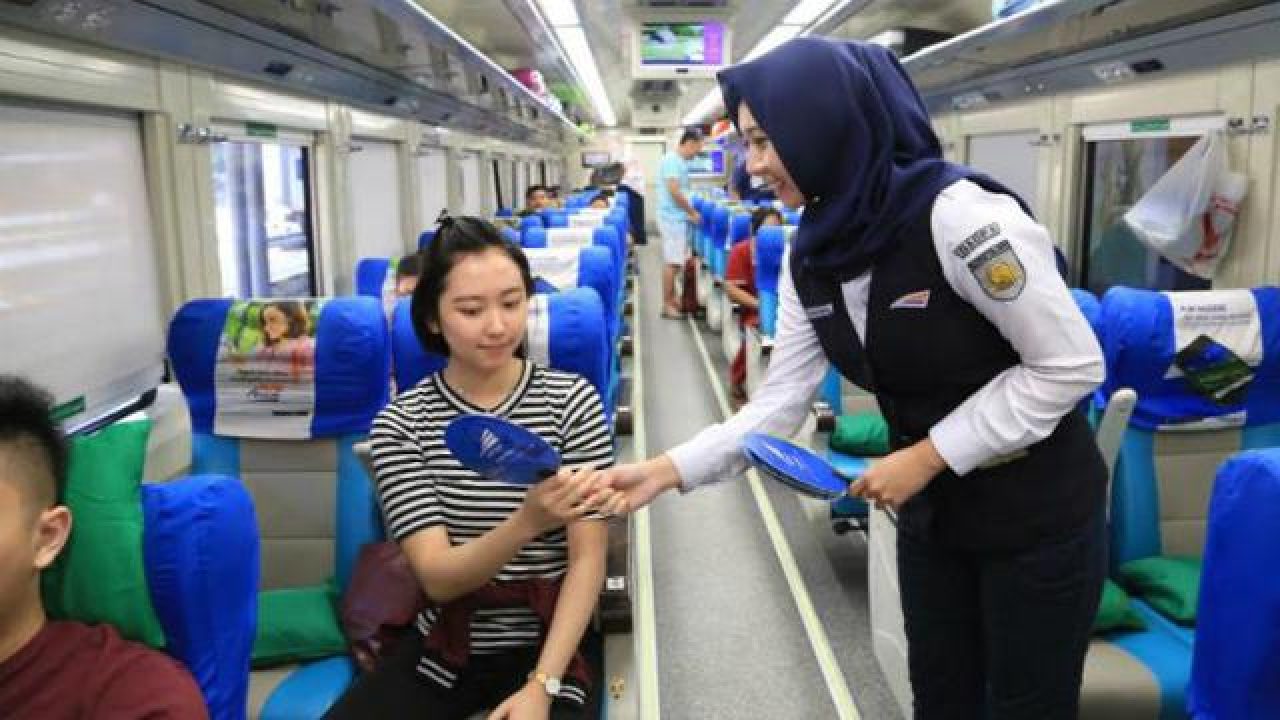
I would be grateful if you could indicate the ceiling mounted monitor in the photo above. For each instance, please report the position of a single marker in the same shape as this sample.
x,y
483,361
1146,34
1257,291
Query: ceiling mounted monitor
x,y
680,48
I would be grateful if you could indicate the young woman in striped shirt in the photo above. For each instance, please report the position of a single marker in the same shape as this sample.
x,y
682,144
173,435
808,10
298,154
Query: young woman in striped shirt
x,y
512,573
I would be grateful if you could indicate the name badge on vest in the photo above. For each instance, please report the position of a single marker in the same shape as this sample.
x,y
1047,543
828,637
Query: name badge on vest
x,y
817,312
999,271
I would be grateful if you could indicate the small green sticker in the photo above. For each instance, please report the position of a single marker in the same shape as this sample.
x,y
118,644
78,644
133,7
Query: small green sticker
x,y
68,409
260,130
1149,125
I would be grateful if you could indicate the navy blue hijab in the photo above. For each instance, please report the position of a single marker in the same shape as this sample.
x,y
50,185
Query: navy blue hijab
x,y
854,134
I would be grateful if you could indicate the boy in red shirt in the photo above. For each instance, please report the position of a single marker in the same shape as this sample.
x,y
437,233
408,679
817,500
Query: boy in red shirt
x,y
740,285
62,670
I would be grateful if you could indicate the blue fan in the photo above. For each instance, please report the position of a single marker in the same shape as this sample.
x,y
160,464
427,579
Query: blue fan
x,y
797,468
500,450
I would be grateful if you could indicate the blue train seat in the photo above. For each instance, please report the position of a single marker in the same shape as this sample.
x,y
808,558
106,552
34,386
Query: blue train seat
x,y
531,221
315,502
425,238
582,237
555,218
557,269
1169,455
770,248
566,331
771,245
1235,667
199,533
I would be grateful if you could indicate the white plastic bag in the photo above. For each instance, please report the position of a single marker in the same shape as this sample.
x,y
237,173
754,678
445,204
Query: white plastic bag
x,y
1189,213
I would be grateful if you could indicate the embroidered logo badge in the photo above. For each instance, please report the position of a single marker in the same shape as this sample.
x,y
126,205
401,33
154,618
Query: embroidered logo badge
x,y
999,271
917,300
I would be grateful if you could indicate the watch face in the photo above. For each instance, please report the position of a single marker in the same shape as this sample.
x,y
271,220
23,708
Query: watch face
x,y
553,686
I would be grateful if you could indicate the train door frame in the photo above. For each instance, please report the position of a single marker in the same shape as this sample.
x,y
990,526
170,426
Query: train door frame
x,y
1263,153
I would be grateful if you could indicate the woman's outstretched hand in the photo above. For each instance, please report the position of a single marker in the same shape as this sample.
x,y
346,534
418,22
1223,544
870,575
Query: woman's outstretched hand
x,y
639,483
569,496
895,479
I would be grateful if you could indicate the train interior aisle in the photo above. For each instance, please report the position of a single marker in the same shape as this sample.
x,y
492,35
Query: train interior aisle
x,y
215,221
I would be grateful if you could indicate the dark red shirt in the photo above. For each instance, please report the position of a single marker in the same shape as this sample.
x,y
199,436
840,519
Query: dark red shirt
x,y
741,271
80,672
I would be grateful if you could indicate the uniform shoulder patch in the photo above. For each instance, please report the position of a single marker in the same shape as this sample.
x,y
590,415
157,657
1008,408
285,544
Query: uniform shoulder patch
x,y
999,271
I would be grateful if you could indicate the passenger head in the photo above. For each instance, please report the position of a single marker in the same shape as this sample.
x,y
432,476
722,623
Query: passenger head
x,y
282,319
599,202
472,296
690,143
763,216
33,467
407,270
536,197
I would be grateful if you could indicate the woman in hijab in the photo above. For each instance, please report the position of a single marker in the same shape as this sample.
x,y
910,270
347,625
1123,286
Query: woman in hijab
x,y
931,286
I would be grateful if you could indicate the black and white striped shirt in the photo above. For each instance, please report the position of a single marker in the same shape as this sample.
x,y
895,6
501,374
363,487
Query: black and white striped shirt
x,y
421,485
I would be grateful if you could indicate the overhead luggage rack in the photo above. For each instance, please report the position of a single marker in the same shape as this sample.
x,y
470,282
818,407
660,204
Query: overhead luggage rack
x,y
1068,44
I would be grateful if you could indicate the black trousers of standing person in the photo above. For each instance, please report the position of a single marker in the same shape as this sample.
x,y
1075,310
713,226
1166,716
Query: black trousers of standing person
x,y
395,689
1000,636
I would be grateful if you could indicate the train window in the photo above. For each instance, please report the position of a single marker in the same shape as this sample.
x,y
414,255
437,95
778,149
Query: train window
x,y
374,187
79,292
1010,158
1118,171
262,194
497,183
433,197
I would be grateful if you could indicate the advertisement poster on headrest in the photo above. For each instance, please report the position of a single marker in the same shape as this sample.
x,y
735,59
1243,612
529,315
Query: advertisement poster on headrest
x,y
1217,342
265,375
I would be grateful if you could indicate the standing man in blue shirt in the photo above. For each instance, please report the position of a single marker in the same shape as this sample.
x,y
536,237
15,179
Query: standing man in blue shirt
x,y
675,214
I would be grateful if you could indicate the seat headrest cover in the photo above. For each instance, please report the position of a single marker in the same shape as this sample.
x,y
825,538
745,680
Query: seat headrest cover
x,y
770,246
556,266
1196,356
570,237
583,219
326,373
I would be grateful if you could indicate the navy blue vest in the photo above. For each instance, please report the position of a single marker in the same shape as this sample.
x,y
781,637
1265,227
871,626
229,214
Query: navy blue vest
x,y
922,359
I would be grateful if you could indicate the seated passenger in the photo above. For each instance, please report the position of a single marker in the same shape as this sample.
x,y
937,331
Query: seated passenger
x,y
600,201
535,199
407,270
512,574
54,670
740,286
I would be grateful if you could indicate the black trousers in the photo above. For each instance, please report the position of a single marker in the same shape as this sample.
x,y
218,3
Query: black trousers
x,y
1000,636
395,689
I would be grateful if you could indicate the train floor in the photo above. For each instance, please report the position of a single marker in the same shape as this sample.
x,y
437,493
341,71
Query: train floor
x,y
758,609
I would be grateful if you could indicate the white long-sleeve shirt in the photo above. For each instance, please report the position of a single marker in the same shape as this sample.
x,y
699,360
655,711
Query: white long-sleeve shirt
x,y
1060,360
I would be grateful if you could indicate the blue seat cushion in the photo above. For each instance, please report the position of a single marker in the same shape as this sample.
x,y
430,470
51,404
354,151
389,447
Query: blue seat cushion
x,y
200,545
